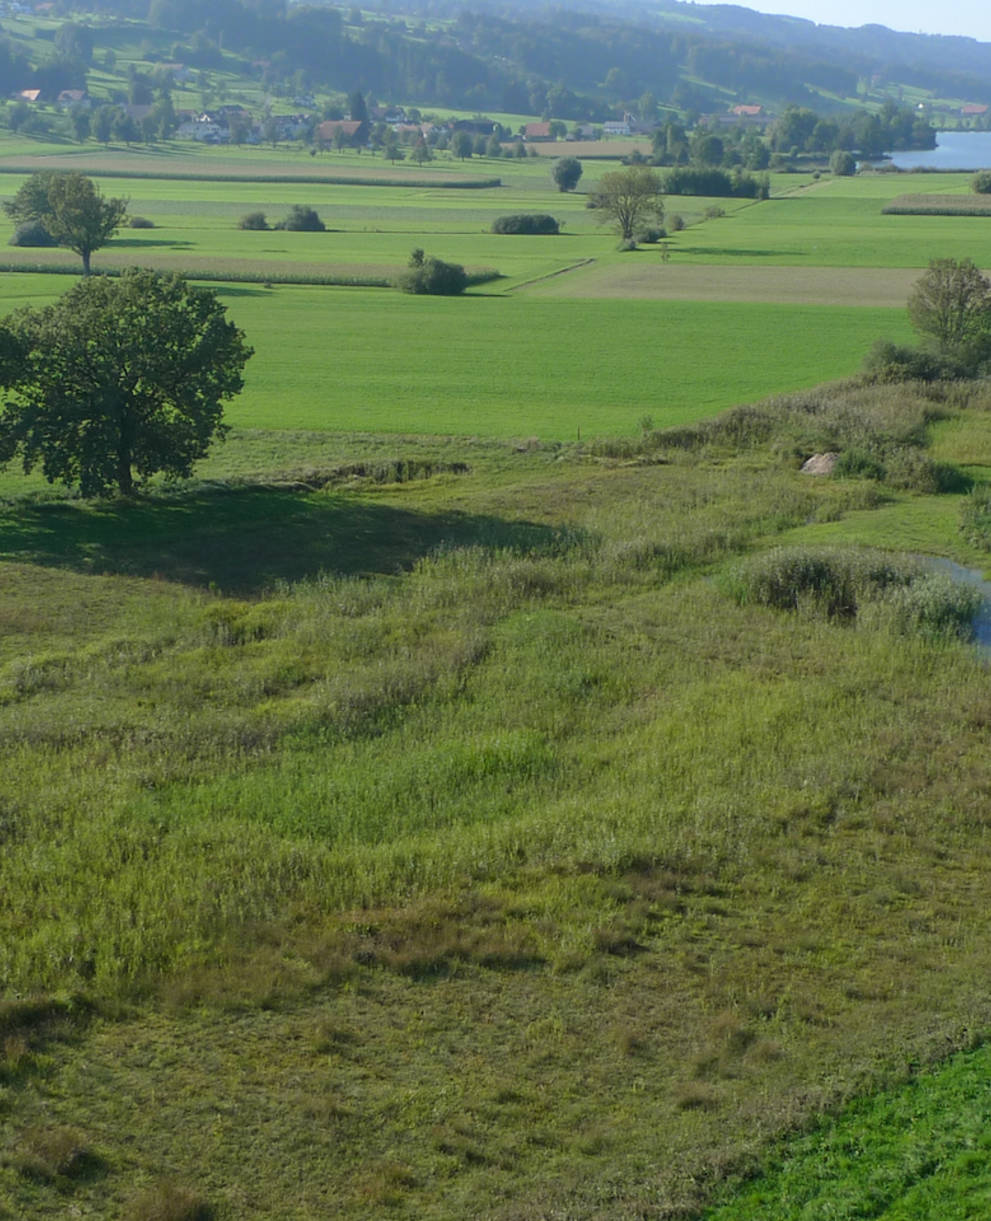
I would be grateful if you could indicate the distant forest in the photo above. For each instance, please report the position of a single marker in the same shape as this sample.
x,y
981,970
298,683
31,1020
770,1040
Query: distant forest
x,y
580,65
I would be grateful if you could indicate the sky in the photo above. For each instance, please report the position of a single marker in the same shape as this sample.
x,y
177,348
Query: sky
x,y
969,17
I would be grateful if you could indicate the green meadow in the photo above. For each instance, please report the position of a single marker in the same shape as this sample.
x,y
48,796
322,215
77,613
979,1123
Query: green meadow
x,y
499,783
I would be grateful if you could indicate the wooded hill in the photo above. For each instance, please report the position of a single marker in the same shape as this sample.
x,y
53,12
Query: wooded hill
x,y
590,63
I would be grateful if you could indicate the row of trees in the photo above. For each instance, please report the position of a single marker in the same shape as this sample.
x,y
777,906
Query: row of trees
x,y
801,129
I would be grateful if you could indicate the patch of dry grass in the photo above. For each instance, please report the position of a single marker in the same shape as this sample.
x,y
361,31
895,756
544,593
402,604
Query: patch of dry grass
x,y
643,275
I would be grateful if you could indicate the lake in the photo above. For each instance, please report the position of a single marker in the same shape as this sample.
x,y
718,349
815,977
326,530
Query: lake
x,y
955,150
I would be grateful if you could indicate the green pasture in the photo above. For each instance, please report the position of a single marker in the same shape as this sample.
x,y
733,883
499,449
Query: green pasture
x,y
910,1154
374,360
822,229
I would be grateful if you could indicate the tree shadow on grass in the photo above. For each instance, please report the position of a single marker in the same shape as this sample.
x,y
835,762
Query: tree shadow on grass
x,y
243,542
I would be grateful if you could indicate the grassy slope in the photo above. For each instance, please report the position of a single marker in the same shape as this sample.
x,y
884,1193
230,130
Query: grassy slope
x,y
601,863
528,878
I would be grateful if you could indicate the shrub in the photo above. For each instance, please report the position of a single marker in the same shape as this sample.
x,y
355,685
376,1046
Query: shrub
x,y
526,222
894,591
32,233
975,517
714,212
842,163
141,222
302,220
891,362
253,220
830,581
910,469
933,605
432,277
650,235
692,180
856,463
628,243
981,183
676,222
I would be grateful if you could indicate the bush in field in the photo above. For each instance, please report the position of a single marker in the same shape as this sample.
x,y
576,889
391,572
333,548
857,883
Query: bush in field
x,y
843,164
32,233
981,183
649,235
141,222
253,220
696,180
526,222
428,276
302,220
891,362
856,463
566,172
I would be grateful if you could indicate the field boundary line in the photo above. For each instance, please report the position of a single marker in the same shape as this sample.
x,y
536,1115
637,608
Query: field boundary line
x,y
549,275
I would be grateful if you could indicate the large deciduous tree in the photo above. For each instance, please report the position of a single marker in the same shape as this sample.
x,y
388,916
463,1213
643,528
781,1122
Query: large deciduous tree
x,y
950,307
119,378
628,198
71,208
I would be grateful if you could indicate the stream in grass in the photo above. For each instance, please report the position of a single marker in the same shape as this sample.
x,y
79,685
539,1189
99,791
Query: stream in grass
x,y
974,577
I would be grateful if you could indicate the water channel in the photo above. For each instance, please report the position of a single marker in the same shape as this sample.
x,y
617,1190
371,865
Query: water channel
x,y
971,576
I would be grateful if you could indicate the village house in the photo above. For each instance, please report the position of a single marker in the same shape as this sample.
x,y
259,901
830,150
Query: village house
x,y
537,132
326,133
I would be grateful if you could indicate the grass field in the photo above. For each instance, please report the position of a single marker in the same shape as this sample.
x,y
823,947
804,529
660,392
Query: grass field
x,y
426,813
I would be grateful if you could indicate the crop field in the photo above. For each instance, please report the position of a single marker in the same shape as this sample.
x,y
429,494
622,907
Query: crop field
x,y
451,802
939,205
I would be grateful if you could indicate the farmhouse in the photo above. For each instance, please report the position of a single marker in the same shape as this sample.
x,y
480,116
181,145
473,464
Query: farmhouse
x,y
537,132
351,130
